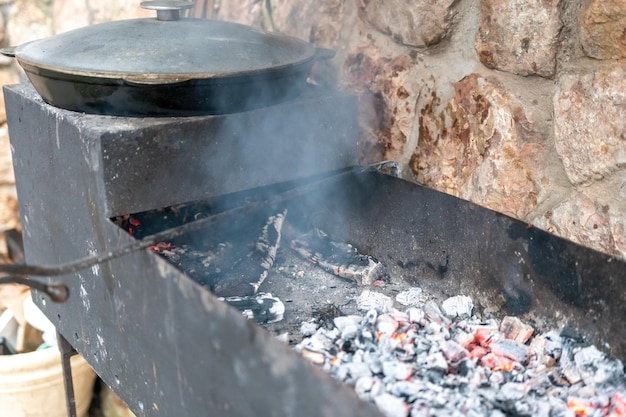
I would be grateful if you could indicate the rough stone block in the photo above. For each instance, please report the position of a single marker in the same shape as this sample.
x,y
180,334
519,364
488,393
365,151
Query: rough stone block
x,y
481,147
590,122
584,220
603,29
413,23
519,36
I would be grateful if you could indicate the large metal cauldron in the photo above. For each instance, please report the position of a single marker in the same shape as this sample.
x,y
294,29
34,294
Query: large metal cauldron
x,y
168,66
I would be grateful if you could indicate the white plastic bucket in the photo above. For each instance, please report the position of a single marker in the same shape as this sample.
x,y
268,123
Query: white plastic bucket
x,y
31,384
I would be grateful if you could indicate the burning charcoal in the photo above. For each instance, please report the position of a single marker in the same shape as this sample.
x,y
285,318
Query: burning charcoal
x,y
587,356
465,366
436,362
496,362
548,348
397,370
307,328
463,338
511,391
559,408
315,357
368,387
539,382
373,361
458,306
350,332
372,300
370,318
496,379
568,367
422,345
541,409
342,322
434,314
514,329
391,406
479,378
510,349
401,317
387,344
406,352
353,371
386,324
411,297
478,352
554,345
340,259
594,366
416,315
408,389
263,307
322,340
453,351
437,332
486,333
618,403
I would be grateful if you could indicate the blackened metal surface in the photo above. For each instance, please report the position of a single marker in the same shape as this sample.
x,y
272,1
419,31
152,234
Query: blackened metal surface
x,y
166,346
145,163
118,97
149,164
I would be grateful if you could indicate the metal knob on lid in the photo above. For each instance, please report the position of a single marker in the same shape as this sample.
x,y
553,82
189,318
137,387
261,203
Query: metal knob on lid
x,y
167,9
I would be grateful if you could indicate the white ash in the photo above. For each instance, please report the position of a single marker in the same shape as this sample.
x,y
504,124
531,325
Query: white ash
x,y
458,306
308,328
372,300
410,297
427,362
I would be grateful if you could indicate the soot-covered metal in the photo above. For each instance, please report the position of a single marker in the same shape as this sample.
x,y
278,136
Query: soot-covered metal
x,y
168,346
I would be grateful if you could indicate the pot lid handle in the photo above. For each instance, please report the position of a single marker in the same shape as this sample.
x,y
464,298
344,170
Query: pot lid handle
x,y
167,9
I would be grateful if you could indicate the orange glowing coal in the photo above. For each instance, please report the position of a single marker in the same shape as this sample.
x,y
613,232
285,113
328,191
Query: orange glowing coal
x,y
619,405
400,336
506,367
579,406
335,361
161,246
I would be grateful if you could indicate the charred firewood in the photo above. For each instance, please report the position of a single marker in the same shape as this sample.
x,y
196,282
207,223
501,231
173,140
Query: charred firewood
x,y
255,267
340,259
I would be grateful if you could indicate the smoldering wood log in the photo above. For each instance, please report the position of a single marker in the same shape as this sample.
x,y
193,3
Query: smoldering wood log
x,y
338,258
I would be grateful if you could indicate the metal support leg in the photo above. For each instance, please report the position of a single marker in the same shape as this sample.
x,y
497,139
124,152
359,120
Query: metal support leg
x,y
67,351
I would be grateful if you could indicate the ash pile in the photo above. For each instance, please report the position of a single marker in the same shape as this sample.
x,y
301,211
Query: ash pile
x,y
432,361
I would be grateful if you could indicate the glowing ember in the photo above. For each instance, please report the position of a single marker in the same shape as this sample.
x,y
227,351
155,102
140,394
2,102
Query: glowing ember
x,y
160,247
579,406
619,405
435,364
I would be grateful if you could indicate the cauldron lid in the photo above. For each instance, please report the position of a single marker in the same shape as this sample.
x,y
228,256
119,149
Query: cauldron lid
x,y
155,50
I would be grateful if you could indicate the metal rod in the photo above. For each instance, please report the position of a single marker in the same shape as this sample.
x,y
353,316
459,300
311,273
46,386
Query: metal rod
x,y
67,351
57,291
151,240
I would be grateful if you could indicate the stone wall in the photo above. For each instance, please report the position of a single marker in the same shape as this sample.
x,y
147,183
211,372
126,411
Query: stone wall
x,y
516,105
